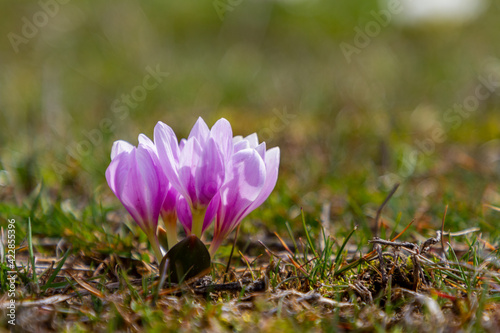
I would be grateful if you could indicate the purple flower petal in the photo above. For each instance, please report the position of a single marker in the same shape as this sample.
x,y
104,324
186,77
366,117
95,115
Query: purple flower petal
x,y
139,185
209,173
252,139
200,131
169,204
146,142
222,133
119,147
117,170
261,149
182,143
211,212
246,179
189,158
272,166
168,154
184,214
240,145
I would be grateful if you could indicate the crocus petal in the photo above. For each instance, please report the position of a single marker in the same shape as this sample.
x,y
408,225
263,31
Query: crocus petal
x,y
168,154
249,170
247,178
240,197
146,142
252,139
146,189
119,147
261,149
222,133
209,173
272,165
189,158
237,138
139,184
120,170
167,140
211,212
170,201
182,143
143,182
184,214
240,145
200,131
117,170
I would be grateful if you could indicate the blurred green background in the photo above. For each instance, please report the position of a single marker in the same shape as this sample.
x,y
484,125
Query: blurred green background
x,y
348,127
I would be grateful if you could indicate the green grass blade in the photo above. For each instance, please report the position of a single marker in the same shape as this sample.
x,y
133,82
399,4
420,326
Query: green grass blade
x,y
462,272
341,249
309,241
32,256
56,271
36,201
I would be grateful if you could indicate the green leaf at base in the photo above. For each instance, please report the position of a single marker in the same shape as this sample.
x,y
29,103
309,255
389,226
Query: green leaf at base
x,y
185,260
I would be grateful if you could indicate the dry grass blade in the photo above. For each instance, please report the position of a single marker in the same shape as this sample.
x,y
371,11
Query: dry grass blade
x,y
232,251
247,263
487,244
379,210
87,286
495,208
404,230
39,302
272,253
284,244
442,228
296,264
462,233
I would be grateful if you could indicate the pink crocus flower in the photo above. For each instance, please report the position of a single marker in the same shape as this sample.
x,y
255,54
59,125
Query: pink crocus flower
x,y
168,211
136,178
250,178
196,168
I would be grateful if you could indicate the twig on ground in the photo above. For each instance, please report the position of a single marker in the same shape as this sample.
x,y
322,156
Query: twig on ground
x,y
442,230
394,244
378,248
254,286
379,210
365,294
429,242
311,297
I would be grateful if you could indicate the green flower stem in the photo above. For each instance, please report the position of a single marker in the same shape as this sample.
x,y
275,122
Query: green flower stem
x,y
170,221
214,246
197,226
153,239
